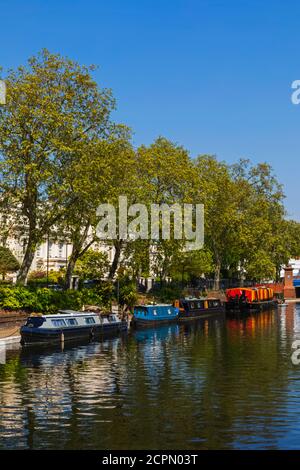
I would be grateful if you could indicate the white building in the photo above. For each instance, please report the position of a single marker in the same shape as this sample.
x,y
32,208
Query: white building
x,y
53,255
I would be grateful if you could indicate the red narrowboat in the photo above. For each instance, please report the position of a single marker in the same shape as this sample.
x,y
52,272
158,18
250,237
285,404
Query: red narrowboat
x,y
249,298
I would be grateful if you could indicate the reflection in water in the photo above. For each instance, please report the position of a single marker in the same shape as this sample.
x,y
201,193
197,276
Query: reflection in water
x,y
213,384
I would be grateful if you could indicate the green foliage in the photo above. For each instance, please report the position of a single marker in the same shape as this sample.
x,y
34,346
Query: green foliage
x,y
167,293
36,278
186,266
54,111
61,156
8,262
127,292
260,266
92,265
45,300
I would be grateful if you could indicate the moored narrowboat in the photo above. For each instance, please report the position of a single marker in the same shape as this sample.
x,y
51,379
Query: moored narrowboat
x,y
70,325
154,314
249,298
194,308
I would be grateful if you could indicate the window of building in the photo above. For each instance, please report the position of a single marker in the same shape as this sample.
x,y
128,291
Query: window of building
x,y
60,250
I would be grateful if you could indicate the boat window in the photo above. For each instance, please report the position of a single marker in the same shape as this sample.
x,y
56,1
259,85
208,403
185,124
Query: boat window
x,y
169,311
154,312
71,321
58,322
198,304
142,311
35,322
89,320
192,305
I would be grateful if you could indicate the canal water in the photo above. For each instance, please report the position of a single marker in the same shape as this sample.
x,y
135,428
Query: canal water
x,y
221,383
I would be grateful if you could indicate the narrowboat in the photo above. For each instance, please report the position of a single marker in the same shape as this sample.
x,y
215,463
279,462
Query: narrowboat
x,y
70,325
249,298
153,314
194,308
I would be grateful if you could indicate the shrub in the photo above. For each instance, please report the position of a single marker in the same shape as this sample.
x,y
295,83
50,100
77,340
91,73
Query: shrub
x,y
46,300
8,262
127,292
39,278
167,293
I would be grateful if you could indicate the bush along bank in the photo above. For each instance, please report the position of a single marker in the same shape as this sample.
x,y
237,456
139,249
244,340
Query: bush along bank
x,y
43,300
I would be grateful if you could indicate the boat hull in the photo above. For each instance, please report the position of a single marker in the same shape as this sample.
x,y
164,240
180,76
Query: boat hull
x,y
142,323
31,336
200,313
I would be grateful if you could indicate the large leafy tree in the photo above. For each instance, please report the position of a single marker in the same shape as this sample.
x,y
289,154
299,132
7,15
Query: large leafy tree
x,y
166,176
103,171
187,266
262,240
53,109
218,193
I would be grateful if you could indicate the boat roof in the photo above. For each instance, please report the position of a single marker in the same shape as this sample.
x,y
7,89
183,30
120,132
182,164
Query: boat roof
x,y
249,288
194,299
64,313
154,305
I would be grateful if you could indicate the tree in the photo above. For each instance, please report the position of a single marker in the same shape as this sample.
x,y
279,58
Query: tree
x,y
53,108
191,265
8,262
167,176
244,218
104,169
260,266
263,238
92,265
217,191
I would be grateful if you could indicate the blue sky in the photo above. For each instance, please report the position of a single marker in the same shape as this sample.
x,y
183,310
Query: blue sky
x,y
212,75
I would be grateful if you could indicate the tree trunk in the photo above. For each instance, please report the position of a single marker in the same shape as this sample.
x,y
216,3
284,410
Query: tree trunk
x,y
217,276
78,242
115,263
26,263
77,252
70,269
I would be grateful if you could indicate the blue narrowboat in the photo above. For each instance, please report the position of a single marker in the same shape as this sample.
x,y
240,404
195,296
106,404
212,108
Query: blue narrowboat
x,y
150,315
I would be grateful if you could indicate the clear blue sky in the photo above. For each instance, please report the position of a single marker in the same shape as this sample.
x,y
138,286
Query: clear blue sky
x,y
212,75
